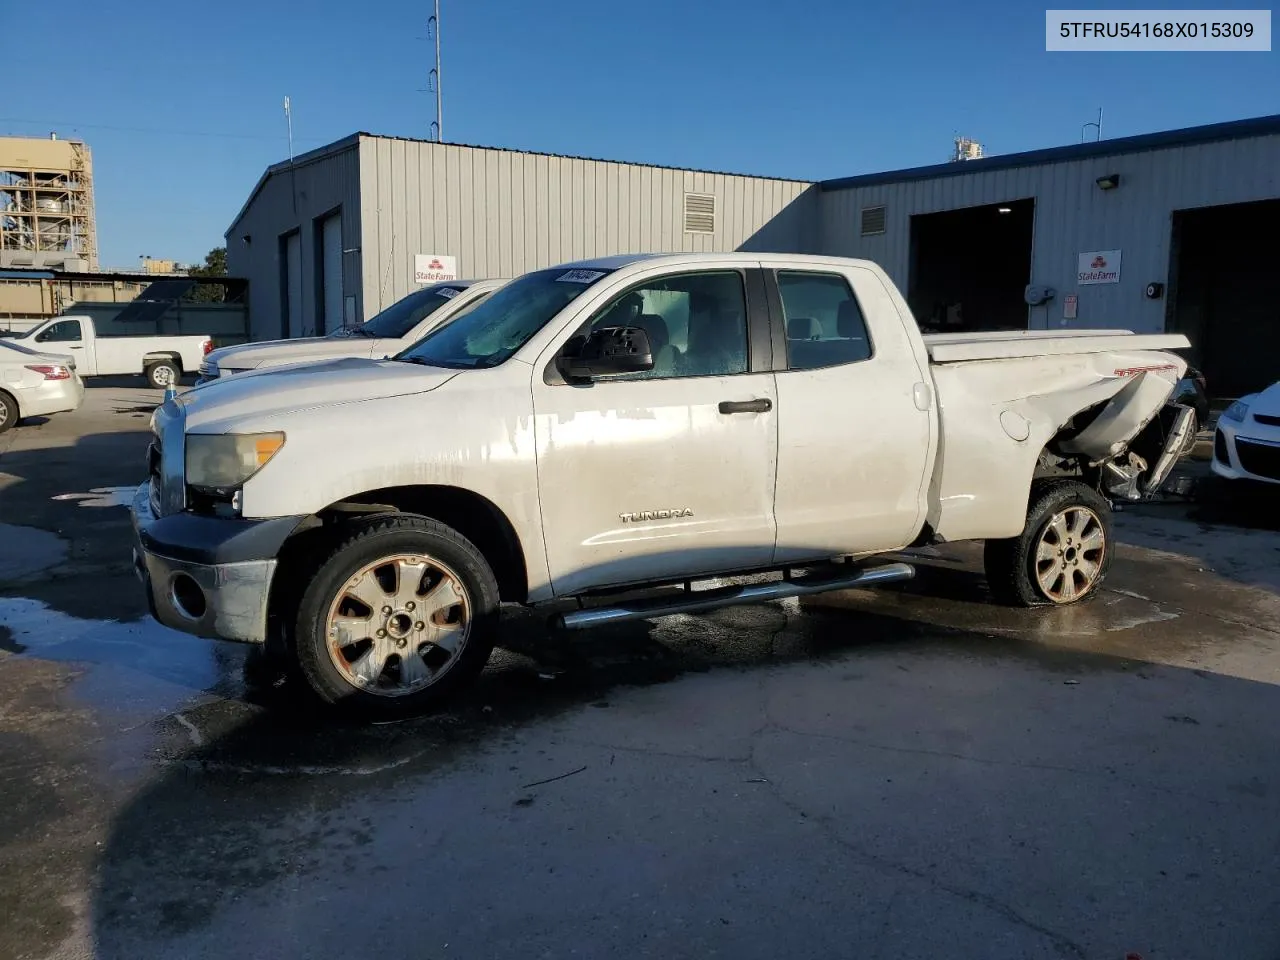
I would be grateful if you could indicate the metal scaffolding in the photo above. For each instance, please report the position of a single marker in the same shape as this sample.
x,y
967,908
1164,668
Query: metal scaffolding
x,y
46,204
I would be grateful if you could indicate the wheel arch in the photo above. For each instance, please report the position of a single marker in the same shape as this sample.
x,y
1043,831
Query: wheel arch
x,y
474,516
152,357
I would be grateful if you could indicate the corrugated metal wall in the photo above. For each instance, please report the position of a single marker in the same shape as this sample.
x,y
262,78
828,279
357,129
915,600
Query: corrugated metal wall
x,y
502,213
297,199
1072,216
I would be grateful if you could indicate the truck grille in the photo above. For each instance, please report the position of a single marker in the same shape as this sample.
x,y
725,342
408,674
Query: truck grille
x,y
1260,459
1268,420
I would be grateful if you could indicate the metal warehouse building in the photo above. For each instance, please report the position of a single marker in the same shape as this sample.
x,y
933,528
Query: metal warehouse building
x,y
1174,230
334,236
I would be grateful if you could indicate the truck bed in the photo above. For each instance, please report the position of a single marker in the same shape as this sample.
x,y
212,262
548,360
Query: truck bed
x,y
1012,344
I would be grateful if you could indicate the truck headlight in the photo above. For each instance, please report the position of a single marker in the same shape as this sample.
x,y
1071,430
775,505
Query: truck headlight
x,y
218,464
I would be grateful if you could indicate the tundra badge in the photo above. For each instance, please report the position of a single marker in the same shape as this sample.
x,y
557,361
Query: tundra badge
x,y
655,515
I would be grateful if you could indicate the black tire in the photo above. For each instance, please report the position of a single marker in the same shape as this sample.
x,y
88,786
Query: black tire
x,y
1011,564
163,374
367,542
8,412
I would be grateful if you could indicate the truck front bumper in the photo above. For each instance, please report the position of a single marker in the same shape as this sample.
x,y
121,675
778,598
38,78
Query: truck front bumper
x,y
209,576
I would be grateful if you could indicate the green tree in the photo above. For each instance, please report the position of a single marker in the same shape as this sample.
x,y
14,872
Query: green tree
x,y
215,265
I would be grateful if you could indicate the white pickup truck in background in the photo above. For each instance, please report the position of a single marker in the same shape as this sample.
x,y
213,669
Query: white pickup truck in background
x,y
402,324
632,422
114,350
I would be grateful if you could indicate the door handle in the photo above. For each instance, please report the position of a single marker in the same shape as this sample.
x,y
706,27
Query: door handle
x,y
77,348
763,405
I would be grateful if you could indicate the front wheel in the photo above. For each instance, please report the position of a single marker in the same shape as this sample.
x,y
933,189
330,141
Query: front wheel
x,y
1063,553
162,375
401,614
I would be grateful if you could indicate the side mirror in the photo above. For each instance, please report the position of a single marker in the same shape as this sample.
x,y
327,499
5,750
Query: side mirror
x,y
608,350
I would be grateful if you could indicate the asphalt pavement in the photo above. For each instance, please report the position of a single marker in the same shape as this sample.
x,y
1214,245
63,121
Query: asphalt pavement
x,y
900,773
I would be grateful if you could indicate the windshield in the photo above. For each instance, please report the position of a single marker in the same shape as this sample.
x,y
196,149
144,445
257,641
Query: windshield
x,y
405,314
497,328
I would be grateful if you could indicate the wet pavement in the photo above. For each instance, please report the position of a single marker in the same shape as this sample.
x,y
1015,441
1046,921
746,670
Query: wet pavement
x,y
909,772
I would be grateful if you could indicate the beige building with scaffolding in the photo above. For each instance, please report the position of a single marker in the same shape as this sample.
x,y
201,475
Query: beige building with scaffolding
x,y
47,216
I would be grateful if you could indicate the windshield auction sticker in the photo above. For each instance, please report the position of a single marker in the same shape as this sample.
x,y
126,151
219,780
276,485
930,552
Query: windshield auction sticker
x,y
580,276
447,292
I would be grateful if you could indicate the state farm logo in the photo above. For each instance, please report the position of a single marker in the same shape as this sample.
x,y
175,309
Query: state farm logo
x,y
1099,262
435,264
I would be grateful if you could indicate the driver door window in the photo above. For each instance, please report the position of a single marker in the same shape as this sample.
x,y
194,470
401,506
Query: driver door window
x,y
64,331
696,324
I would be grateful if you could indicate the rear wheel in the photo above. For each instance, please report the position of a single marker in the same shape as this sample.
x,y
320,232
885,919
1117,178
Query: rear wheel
x,y
163,374
401,614
8,412
1062,555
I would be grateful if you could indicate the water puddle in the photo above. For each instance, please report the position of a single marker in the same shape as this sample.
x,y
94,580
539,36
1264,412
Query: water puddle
x,y
139,661
101,497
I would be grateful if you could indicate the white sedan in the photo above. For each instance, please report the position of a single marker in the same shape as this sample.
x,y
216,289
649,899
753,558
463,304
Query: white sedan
x,y
34,384
1246,445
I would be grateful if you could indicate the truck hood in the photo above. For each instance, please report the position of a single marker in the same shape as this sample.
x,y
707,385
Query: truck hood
x,y
250,356
259,398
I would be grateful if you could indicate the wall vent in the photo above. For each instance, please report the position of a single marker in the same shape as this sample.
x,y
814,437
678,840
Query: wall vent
x,y
873,220
699,213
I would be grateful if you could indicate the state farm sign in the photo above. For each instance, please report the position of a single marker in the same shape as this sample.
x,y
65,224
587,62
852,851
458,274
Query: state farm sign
x,y
433,268
1098,266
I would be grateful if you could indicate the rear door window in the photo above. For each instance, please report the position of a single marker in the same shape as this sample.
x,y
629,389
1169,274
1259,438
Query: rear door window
x,y
825,326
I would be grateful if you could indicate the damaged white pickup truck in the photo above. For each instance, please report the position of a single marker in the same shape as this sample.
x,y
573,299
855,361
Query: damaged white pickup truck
x,y
632,422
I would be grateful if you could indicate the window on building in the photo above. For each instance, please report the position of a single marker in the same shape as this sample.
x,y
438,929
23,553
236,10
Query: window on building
x,y
825,325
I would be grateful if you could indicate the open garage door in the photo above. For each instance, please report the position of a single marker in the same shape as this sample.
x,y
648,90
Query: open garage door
x,y
970,267
1225,293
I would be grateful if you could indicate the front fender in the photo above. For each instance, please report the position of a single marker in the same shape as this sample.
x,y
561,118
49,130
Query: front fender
x,y
475,433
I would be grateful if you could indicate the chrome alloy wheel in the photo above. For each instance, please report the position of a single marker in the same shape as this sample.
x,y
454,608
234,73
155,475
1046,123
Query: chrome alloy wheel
x,y
1070,554
398,624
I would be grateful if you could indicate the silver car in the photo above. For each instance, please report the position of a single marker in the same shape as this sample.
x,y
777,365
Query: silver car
x,y
34,384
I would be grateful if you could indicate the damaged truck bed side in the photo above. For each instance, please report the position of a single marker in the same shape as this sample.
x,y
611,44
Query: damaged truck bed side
x,y
1037,405
615,425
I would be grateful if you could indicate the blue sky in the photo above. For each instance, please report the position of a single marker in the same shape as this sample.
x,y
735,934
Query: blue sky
x,y
181,103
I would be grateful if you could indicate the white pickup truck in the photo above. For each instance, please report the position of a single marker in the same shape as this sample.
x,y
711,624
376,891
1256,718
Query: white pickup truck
x,y
114,350
401,325
632,422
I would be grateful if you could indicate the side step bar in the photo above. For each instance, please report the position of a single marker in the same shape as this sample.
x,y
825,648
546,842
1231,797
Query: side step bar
x,y
728,596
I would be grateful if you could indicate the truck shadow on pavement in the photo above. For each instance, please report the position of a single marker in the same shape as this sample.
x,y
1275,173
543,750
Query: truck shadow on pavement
x,y
299,814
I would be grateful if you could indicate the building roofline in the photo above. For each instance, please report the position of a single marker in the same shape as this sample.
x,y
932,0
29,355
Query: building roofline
x,y
1186,136
571,156
301,160
353,140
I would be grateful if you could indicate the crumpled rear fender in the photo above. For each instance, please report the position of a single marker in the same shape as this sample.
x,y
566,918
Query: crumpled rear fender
x,y
989,451
1123,418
